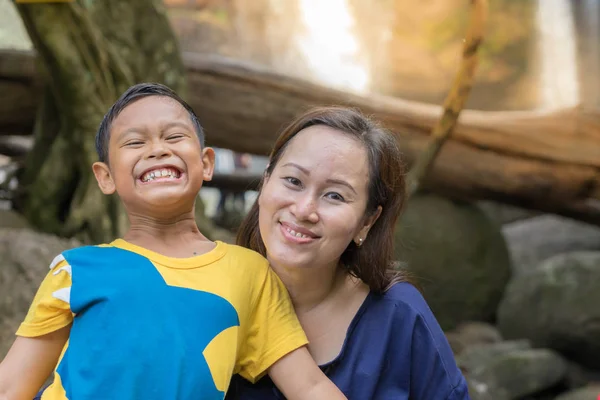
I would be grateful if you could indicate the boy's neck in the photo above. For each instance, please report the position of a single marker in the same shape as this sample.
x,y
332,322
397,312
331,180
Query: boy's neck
x,y
175,237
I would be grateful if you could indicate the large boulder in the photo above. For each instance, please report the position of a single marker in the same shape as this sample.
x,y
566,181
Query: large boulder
x,y
505,214
24,259
457,255
591,392
11,219
536,239
472,333
556,306
510,370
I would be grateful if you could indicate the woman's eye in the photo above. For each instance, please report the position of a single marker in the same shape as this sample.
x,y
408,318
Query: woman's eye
x,y
335,196
293,181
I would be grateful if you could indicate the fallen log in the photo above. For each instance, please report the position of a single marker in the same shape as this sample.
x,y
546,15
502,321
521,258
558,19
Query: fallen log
x,y
15,146
238,181
20,91
546,161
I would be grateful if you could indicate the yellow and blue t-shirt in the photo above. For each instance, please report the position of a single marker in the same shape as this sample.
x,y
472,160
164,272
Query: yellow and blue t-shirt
x,y
147,326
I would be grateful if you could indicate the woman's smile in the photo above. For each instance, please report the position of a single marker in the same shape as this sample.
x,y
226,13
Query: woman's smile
x,y
297,234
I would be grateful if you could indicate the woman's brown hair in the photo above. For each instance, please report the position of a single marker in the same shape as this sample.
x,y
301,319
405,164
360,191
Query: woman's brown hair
x,y
371,262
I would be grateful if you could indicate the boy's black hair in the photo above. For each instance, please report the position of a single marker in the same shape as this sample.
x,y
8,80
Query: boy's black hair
x,y
132,94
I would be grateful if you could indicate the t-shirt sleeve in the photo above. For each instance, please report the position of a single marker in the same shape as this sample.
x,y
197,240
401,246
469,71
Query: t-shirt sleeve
x,y
50,309
273,331
434,373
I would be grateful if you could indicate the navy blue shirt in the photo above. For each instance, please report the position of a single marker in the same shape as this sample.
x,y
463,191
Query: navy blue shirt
x,y
394,349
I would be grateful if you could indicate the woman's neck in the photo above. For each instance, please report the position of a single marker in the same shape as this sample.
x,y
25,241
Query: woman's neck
x,y
311,287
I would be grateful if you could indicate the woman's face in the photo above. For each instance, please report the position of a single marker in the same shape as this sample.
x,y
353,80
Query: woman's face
x,y
314,202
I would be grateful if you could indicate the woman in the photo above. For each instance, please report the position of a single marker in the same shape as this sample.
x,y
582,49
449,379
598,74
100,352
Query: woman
x,y
324,218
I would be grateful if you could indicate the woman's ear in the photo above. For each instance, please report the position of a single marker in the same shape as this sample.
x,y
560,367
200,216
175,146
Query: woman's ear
x,y
103,177
369,221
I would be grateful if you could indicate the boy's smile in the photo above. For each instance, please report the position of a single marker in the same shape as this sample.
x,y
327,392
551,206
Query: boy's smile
x,y
155,160
159,174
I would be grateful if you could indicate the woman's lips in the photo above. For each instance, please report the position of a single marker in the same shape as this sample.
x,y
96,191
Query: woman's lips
x,y
297,234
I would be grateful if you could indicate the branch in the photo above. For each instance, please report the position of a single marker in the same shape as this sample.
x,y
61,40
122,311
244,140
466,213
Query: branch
x,y
456,99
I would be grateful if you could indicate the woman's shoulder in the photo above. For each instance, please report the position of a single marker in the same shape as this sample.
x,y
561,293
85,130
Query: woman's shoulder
x,y
410,317
414,321
406,296
409,305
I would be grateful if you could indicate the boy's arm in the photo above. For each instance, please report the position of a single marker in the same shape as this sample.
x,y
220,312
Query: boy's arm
x,y
299,378
28,364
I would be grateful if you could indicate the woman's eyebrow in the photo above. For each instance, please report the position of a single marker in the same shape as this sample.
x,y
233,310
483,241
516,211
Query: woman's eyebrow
x,y
291,164
341,182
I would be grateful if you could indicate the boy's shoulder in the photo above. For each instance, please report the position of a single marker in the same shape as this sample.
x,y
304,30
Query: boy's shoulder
x,y
87,249
233,255
84,253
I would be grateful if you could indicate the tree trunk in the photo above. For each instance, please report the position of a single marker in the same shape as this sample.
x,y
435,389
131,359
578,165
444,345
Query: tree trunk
x,y
91,52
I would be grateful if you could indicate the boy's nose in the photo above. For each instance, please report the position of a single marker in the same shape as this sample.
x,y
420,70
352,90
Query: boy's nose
x,y
159,151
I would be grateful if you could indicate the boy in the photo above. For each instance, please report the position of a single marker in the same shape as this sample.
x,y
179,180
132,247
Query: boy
x,y
163,313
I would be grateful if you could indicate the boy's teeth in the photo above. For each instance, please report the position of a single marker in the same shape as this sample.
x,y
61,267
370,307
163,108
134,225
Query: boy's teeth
x,y
159,174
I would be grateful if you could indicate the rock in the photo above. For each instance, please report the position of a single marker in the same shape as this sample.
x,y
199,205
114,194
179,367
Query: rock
x,y
591,392
458,256
472,333
536,239
480,355
578,376
476,332
511,370
12,219
504,213
24,259
556,306
483,391
457,342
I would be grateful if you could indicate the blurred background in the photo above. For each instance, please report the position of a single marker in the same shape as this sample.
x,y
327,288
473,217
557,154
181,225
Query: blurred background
x,y
504,236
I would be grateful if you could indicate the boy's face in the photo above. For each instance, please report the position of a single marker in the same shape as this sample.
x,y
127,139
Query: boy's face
x,y
156,163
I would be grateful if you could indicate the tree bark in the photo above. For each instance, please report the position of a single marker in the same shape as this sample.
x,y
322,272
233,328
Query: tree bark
x,y
90,53
546,161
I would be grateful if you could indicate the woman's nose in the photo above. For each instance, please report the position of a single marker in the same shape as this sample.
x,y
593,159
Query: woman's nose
x,y
304,208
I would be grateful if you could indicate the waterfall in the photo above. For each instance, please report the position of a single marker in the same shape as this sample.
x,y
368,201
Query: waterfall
x,y
329,45
559,82
588,26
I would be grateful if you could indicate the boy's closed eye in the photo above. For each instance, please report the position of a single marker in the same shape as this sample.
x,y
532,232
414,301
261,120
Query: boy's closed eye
x,y
175,137
133,143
